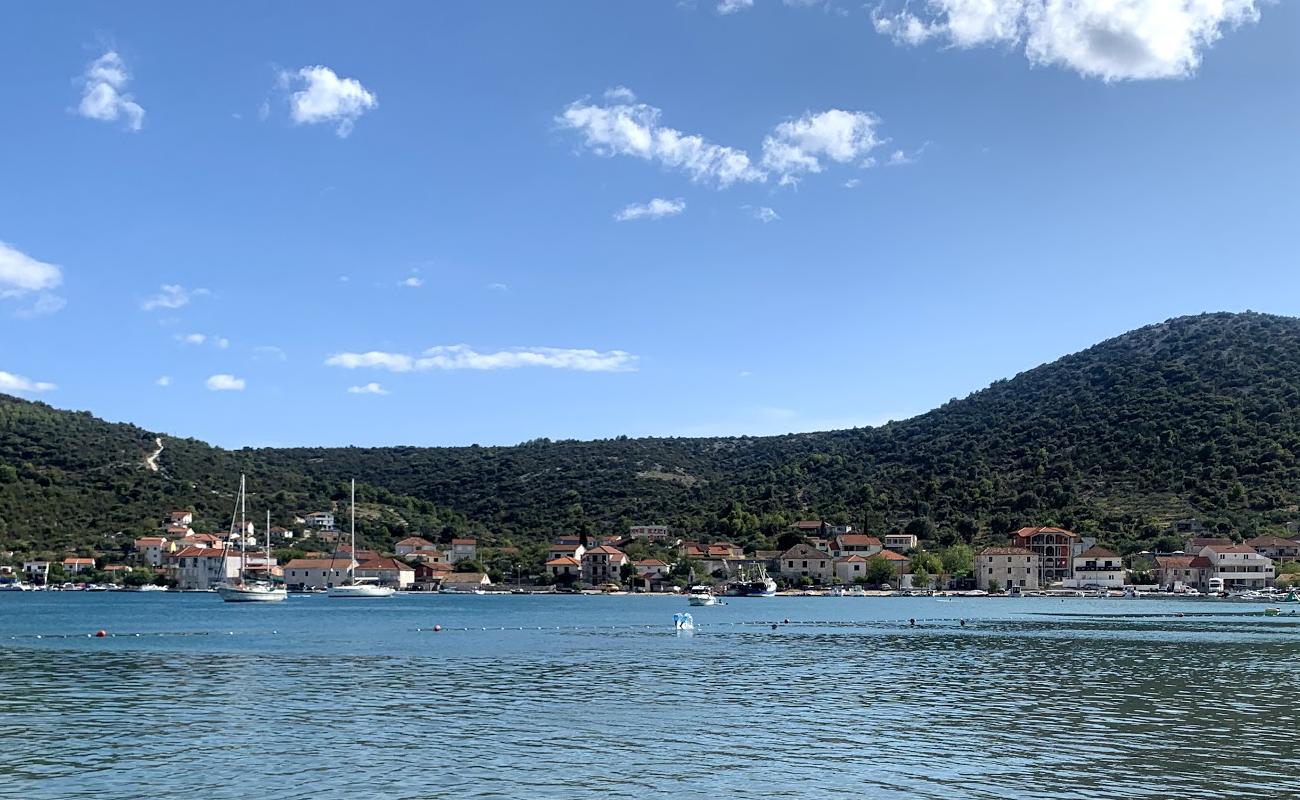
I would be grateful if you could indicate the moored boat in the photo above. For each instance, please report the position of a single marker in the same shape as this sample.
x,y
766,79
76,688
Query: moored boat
x,y
358,588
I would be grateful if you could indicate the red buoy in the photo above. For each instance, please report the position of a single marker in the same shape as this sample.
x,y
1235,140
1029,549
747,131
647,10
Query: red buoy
x,y
100,634
437,628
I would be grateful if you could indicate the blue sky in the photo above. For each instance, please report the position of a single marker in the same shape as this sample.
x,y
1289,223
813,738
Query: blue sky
x,y
581,220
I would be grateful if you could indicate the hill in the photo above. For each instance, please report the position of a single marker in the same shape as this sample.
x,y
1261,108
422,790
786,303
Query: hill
x,y
1193,417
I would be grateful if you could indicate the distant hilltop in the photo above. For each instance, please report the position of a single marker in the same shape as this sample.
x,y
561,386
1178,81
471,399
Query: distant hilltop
x,y
1195,417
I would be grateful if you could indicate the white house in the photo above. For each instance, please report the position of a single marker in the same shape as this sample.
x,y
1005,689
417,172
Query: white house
x,y
1239,566
152,549
603,564
73,565
388,571
182,519
564,566
316,573
1097,567
851,567
847,543
900,541
36,571
322,520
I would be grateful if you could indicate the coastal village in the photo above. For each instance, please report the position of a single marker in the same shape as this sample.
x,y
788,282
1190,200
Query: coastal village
x,y
824,558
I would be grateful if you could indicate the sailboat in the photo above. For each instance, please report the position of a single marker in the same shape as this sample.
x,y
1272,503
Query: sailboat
x,y
358,587
242,590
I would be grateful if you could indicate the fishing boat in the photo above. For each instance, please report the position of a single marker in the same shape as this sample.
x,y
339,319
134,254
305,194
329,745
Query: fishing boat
x,y
751,583
701,596
241,589
354,587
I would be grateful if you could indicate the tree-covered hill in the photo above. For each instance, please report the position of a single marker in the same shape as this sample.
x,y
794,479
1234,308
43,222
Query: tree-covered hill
x,y
1194,417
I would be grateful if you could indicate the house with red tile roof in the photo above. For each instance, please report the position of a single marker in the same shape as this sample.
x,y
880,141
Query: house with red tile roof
x,y
463,550
73,565
1097,568
316,573
413,544
388,572
564,567
603,564
1177,572
1275,547
201,568
855,543
1054,548
1237,566
804,560
151,549
850,567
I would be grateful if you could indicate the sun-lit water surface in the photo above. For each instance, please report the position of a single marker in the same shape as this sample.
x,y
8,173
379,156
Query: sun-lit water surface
x,y
599,697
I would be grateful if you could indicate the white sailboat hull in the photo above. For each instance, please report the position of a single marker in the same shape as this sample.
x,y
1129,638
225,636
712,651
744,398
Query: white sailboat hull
x,y
251,594
361,590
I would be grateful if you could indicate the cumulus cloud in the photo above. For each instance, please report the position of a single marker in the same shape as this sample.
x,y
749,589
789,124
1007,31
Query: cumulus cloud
x,y
655,209
321,96
622,126
191,338
22,277
413,282
164,381
1108,39
369,388
762,213
725,7
225,383
460,356
801,145
104,96
17,384
171,295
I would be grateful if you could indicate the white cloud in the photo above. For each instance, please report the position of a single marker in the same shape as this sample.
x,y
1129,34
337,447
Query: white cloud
x,y
498,287
1108,39
625,127
799,145
221,342
103,95
171,295
413,282
191,338
655,209
21,276
762,213
460,356
225,383
17,384
324,97
732,6
375,359
163,381
852,183
369,388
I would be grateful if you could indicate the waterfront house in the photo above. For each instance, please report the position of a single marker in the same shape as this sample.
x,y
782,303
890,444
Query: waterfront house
x,y
851,567
37,572
463,550
321,520
900,541
388,572
566,567
1180,571
855,543
694,550
72,565
1009,567
1099,568
1239,566
151,549
603,564
648,532
316,573
178,531
1275,547
428,576
203,567
725,550
464,581
1055,548
806,560
414,544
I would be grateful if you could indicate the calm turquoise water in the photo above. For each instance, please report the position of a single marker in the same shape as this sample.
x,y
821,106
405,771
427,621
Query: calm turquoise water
x,y
321,698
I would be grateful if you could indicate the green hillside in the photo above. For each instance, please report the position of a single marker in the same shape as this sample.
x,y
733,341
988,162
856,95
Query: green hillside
x,y
1196,416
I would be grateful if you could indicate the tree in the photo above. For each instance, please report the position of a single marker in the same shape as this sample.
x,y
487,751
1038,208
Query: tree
x,y
921,527
879,570
958,560
994,586
469,565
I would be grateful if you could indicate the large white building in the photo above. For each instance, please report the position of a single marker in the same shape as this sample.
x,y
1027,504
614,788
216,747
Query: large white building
x,y
1099,568
200,568
1239,566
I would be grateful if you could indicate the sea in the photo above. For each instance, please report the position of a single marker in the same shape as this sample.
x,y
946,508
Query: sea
x,y
523,696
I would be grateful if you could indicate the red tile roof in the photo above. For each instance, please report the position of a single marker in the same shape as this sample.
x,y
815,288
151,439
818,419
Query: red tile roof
x,y
73,560
563,561
1005,551
319,563
202,552
1229,548
890,555
858,539
415,541
464,541
1025,533
808,525
1097,552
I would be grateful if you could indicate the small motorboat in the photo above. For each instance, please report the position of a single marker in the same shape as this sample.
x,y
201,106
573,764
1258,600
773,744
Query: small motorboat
x,y
701,596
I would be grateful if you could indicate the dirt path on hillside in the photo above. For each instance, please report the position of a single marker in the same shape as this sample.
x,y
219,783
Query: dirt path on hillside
x,y
152,461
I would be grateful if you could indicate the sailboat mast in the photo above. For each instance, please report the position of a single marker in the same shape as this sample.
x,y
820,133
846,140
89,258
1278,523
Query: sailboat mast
x,y
243,528
352,557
